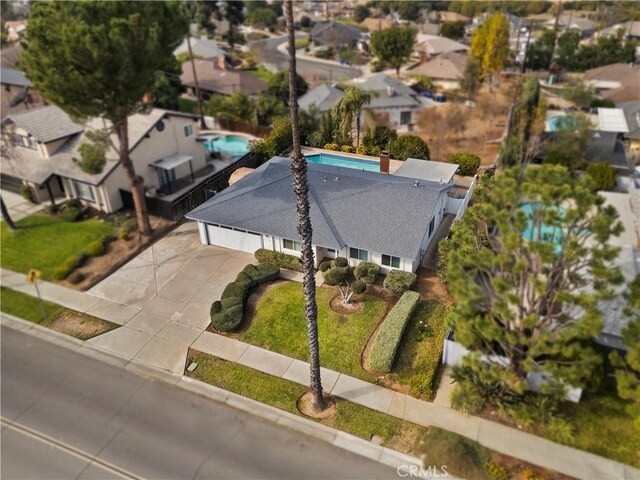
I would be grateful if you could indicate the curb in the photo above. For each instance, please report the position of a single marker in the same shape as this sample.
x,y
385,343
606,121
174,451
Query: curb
x,y
310,428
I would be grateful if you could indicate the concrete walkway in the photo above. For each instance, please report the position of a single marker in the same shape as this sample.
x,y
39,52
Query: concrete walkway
x,y
18,206
162,341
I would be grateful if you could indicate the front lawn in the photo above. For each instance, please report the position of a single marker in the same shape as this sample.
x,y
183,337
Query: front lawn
x,y
419,360
45,242
59,318
280,325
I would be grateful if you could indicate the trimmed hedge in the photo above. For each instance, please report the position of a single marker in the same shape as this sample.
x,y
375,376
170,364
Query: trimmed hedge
x,y
94,249
71,214
278,259
324,266
358,287
397,282
73,261
385,345
335,275
366,271
341,262
227,313
61,272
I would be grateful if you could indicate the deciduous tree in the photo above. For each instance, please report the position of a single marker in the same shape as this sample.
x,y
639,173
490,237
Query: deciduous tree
x,y
393,46
454,30
490,46
234,15
99,59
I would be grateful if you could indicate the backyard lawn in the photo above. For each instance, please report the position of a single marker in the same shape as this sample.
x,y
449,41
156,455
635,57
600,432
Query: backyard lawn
x,y
45,242
418,363
280,325
59,318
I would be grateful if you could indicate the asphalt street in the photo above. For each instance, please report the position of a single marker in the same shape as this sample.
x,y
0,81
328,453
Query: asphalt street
x,y
314,72
66,415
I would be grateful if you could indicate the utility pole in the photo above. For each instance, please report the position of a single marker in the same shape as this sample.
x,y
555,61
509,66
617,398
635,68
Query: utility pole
x,y
203,124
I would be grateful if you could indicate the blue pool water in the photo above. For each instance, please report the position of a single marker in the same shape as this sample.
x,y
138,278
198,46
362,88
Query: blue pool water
x,y
548,233
561,122
233,145
340,161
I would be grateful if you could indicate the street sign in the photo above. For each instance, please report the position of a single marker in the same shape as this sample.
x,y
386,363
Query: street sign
x,y
33,275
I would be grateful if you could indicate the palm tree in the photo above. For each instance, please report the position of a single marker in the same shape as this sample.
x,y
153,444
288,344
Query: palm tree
x,y
301,189
349,107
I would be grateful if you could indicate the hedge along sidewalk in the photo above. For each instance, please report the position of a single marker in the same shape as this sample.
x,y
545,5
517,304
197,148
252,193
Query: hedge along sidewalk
x,y
502,439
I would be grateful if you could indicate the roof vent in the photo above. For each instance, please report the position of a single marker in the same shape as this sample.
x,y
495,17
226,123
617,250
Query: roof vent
x,y
390,91
324,179
416,183
336,179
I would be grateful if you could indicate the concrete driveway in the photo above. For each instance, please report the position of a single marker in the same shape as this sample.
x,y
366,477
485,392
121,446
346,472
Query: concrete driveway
x,y
162,297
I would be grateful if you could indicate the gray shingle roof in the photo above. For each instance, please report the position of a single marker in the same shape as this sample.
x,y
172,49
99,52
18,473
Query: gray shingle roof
x,y
324,97
320,29
46,123
376,212
11,76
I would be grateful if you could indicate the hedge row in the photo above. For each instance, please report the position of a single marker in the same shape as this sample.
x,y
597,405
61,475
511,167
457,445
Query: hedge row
x,y
226,313
366,272
93,249
282,260
385,345
397,282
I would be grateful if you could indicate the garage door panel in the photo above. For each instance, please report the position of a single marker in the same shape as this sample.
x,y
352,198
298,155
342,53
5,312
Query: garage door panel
x,y
234,239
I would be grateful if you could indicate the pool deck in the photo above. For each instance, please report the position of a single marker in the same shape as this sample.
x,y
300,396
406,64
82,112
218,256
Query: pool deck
x,y
394,165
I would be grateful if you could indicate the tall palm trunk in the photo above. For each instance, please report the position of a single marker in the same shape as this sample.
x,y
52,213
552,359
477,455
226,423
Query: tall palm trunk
x,y
5,215
301,189
136,181
203,124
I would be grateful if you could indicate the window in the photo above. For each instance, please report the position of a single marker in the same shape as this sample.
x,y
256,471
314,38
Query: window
x,y
405,118
432,224
359,254
389,261
26,142
291,245
188,130
84,191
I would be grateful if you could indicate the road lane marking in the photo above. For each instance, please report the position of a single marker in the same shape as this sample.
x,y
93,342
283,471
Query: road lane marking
x,y
60,445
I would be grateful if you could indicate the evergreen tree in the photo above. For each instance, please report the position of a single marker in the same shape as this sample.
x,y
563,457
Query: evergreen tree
x,y
234,14
99,59
393,46
526,299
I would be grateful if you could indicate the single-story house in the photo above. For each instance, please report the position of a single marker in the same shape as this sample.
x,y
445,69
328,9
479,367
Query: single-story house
x,y
214,78
427,47
613,76
222,28
515,22
201,47
393,101
42,152
630,28
445,70
363,216
17,92
584,26
632,114
444,16
334,34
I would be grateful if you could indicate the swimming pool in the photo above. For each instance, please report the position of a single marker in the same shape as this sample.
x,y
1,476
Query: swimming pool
x,y
560,122
548,233
236,146
341,161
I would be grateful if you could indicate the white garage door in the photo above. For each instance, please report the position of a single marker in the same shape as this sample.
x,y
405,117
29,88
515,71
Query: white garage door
x,y
234,239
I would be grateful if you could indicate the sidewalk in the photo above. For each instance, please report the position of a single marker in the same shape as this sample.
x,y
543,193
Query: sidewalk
x,y
167,349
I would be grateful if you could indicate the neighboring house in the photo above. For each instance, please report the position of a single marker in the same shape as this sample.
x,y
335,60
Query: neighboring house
x,y
334,34
584,26
377,24
622,94
515,22
427,47
632,114
363,216
618,82
631,30
10,54
201,47
392,101
444,16
214,78
17,92
40,149
15,29
445,70
222,28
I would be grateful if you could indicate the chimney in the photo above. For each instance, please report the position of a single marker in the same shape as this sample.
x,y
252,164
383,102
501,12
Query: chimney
x,y
390,91
222,65
384,162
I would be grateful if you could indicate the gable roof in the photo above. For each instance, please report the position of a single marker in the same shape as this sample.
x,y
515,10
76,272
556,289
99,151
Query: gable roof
x,y
448,66
436,45
368,210
631,28
324,97
622,94
572,22
223,81
619,74
321,29
11,76
201,47
377,24
46,124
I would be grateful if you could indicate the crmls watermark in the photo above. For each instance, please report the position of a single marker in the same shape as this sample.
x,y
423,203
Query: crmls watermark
x,y
430,471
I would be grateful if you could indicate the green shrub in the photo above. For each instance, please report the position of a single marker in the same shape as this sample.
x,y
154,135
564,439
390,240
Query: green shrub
x,y
27,193
230,302
603,174
464,457
332,146
246,280
366,271
335,275
109,237
262,273
324,266
130,225
235,289
61,272
123,235
602,103
468,163
51,209
467,399
379,137
397,282
75,277
358,287
278,259
346,149
73,203
341,262
71,214
94,249
385,345
495,471
362,150
74,261
409,146
216,307
229,319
